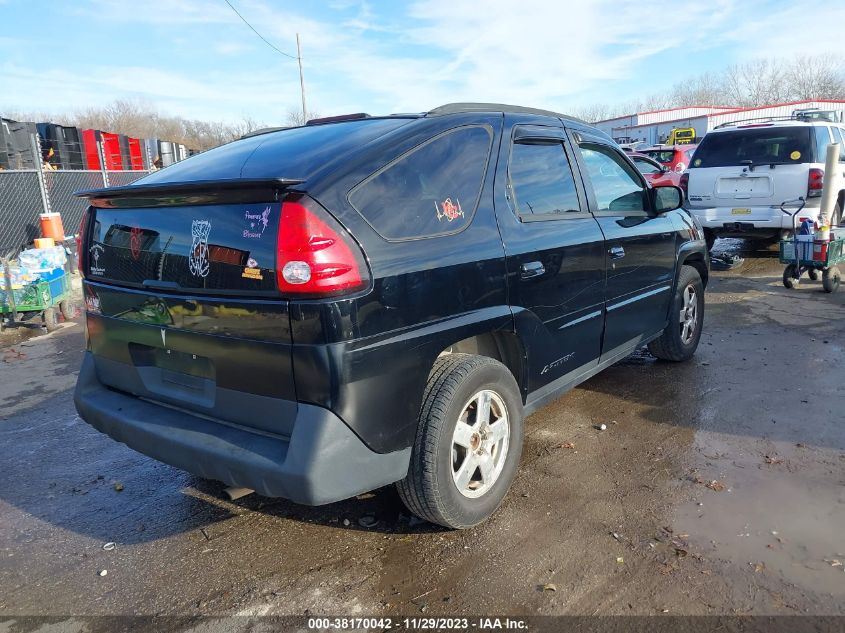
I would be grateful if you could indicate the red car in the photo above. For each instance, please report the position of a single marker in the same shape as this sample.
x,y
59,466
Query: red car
x,y
654,172
675,157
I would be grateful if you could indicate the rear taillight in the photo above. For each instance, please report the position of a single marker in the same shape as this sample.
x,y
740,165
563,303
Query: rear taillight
x,y
80,243
815,183
683,183
315,256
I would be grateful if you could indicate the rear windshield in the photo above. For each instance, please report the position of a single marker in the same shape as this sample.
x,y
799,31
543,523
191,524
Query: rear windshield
x,y
762,146
294,153
664,156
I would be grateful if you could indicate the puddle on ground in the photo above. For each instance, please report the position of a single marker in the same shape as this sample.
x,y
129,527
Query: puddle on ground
x,y
781,516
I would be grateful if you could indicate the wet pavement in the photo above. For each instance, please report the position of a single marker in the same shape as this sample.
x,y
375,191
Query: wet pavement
x,y
717,488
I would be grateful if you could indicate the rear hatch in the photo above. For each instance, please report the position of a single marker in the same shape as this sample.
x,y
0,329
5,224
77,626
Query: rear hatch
x,y
753,166
182,301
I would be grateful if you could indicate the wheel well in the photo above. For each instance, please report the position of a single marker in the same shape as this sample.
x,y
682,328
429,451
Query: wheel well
x,y
696,260
504,347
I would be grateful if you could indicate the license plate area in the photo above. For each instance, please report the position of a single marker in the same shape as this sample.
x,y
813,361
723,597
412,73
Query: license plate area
x,y
741,211
171,361
749,186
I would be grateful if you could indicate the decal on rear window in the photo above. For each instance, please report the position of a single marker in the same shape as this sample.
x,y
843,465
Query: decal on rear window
x,y
96,252
795,155
135,235
257,223
198,258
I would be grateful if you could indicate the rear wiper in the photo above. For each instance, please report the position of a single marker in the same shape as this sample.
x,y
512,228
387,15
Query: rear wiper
x,y
748,163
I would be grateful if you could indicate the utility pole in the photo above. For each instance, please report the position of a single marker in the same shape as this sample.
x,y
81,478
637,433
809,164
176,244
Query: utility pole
x,y
301,80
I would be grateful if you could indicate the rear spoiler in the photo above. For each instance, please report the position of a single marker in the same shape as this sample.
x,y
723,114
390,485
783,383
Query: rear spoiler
x,y
167,194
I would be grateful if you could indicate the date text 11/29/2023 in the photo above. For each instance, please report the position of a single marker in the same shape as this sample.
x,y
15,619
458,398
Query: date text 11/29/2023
x,y
417,624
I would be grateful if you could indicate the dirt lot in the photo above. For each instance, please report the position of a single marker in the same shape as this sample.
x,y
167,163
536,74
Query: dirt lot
x,y
717,488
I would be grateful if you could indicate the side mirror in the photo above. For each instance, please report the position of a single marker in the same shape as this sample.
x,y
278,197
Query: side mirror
x,y
667,198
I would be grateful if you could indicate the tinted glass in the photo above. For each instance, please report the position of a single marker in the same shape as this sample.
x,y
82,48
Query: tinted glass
x,y
616,187
766,146
665,156
839,137
645,166
542,179
432,190
822,141
294,153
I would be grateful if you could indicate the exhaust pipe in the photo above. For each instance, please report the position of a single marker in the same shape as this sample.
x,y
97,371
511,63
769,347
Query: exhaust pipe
x,y
234,492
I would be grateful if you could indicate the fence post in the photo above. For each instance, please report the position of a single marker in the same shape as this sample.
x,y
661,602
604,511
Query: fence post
x,y
42,180
103,163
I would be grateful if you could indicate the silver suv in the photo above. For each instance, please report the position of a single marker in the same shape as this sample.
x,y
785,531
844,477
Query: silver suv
x,y
742,172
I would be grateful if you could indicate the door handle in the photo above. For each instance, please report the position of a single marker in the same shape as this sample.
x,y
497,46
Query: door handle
x,y
617,252
531,269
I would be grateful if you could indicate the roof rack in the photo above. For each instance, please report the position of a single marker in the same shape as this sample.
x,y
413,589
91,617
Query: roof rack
x,y
769,119
457,108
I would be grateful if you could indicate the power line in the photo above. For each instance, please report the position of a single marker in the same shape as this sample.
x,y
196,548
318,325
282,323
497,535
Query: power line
x,y
265,40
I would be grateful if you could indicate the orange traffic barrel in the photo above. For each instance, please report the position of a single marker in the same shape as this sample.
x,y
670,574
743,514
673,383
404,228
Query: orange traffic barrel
x,y
51,226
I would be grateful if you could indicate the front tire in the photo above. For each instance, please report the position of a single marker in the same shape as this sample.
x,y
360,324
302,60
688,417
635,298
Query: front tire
x,y
468,443
680,338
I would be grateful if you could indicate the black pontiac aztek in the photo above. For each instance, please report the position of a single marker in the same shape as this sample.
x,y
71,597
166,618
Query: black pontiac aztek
x,y
318,311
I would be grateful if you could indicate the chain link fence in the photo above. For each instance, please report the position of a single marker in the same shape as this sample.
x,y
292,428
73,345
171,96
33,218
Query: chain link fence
x,y
27,193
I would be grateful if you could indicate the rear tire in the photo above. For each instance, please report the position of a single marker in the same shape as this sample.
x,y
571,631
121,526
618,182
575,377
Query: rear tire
x,y
680,338
831,279
463,465
709,238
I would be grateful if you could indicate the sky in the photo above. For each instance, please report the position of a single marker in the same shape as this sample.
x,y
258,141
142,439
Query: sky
x,y
197,59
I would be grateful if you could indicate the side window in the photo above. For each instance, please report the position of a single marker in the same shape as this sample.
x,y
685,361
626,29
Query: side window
x,y
841,140
645,166
615,185
541,180
822,141
432,190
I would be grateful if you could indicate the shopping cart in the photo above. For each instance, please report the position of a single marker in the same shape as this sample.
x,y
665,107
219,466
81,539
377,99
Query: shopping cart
x,y
802,254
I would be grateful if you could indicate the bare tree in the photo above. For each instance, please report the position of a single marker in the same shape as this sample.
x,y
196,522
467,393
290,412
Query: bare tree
x,y
294,117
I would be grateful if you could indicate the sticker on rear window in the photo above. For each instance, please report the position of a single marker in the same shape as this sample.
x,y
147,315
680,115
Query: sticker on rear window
x,y
795,155
257,223
449,210
95,251
198,258
135,242
696,162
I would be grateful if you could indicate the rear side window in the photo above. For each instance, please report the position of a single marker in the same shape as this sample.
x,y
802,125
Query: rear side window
x,y
822,141
542,180
761,146
839,137
431,190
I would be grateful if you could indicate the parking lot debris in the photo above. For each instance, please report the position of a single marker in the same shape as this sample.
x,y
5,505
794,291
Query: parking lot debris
x,y
368,521
601,427
620,560
109,546
569,445
118,486
103,572
725,261
549,586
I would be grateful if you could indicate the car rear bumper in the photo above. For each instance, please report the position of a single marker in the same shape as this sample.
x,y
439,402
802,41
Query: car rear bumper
x,y
321,462
757,218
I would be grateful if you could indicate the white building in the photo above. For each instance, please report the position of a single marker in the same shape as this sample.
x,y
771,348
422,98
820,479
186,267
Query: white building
x,y
655,126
